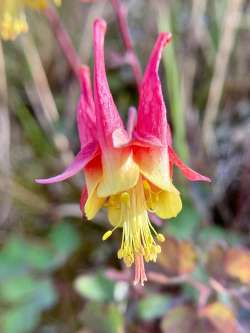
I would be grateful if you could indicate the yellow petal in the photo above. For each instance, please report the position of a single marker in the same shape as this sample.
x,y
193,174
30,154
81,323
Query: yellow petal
x,y
168,204
93,175
120,172
93,205
154,165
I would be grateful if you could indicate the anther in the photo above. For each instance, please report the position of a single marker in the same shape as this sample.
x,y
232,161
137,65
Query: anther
x,y
160,237
120,254
107,235
158,249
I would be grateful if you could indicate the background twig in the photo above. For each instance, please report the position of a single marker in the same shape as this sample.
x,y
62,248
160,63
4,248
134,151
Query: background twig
x,y
230,25
63,40
5,142
121,14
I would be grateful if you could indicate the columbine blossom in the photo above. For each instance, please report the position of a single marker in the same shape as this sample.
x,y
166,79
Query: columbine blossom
x,y
12,16
129,172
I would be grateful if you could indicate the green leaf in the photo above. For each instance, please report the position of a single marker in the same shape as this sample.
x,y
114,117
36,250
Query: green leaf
x,y
200,274
19,319
103,318
214,234
27,255
40,257
153,306
17,289
33,133
45,295
65,240
185,224
16,247
10,266
95,287
190,292
179,320
25,289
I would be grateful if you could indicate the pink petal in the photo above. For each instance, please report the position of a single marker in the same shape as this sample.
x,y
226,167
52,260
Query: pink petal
x,y
132,120
146,141
152,121
80,161
118,137
85,109
107,117
187,172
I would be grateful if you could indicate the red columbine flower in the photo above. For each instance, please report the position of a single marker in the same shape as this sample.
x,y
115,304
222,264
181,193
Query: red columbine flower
x,y
127,171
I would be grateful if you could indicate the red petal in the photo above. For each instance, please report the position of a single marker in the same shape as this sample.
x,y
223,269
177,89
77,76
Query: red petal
x,y
169,136
84,197
152,121
171,167
107,117
85,109
187,172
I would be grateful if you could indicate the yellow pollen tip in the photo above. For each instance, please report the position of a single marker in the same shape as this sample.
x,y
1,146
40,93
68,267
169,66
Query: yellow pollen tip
x,y
160,238
158,249
107,235
125,198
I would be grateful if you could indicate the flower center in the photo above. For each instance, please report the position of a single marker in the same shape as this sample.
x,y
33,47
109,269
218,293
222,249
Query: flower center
x,y
138,236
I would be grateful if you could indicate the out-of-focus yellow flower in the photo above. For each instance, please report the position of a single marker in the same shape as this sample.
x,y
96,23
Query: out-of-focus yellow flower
x,y
12,16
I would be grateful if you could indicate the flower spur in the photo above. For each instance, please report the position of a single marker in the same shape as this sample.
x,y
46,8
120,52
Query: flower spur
x,y
129,172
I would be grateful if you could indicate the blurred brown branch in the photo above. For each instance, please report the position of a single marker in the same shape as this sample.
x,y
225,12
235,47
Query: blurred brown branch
x,y
195,33
5,142
23,195
230,25
121,14
63,40
49,110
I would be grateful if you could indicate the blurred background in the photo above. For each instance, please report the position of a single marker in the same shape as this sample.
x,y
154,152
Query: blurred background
x,y
56,275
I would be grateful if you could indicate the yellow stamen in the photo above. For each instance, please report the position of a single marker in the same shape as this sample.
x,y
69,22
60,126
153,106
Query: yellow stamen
x,y
148,195
107,235
132,216
160,237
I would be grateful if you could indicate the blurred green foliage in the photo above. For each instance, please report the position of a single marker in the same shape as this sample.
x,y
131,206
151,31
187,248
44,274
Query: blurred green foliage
x,y
26,284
